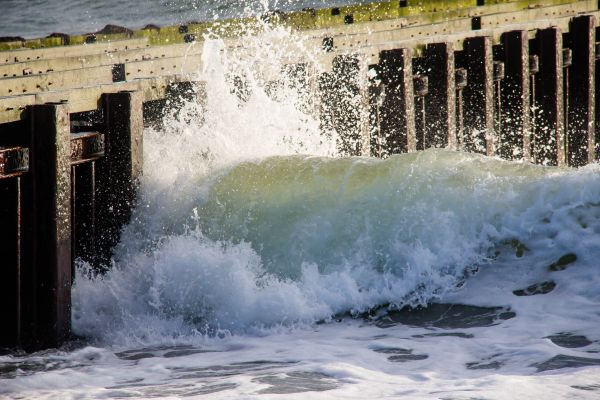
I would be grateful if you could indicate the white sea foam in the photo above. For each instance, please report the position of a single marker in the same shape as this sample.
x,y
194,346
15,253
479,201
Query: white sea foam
x,y
299,239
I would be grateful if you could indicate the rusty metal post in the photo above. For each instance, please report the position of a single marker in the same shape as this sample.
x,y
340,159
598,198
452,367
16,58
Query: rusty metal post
x,y
381,94
398,109
534,68
515,98
376,98
550,140
441,107
118,173
479,96
581,138
46,268
421,89
567,61
365,123
499,74
461,84
13,163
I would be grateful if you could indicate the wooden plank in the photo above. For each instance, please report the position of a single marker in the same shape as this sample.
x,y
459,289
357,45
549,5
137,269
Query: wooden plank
x,y
580,135
397,111
550,132
21,55
343,103
86,147
120,169
441,100
538,13
516,131
78,61
188,64
46,311
85,99
32,84
478,96
13,108
82,77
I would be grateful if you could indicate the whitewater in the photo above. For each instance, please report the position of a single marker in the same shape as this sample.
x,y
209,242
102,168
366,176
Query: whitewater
x,y
261,263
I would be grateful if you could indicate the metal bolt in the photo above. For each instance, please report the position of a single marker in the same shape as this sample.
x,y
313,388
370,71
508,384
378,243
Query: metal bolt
x,y
567,55
498,70
534,64
420,85
460,77
328,44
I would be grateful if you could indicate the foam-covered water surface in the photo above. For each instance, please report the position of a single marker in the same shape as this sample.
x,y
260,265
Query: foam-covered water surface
x,y
261,264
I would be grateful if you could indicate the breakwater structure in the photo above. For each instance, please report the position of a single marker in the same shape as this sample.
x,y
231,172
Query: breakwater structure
x,y
513,79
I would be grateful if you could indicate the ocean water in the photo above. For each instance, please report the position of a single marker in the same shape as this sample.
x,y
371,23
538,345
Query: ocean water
x,y
262,264
39,18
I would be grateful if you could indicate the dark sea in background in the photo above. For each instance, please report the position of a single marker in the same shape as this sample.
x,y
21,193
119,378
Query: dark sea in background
x,y
38,18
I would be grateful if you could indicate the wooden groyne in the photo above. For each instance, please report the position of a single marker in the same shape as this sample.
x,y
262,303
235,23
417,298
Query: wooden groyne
x,y
513,79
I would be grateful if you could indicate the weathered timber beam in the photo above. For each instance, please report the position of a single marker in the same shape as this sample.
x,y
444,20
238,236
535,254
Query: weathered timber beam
x,y
78,61
441,100
581,113
344,104
46,266
119,171
549,138
397,111
32,84
515,136
10,256
24,54
86,147
14,162
478,96
87,98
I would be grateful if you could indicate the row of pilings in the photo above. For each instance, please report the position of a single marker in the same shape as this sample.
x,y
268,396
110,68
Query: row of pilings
x,y
529,97
65,191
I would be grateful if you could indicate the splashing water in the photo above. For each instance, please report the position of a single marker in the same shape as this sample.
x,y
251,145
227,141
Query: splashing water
x,y
247,221
250,223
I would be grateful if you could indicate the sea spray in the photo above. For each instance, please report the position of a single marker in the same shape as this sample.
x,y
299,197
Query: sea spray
x,y
247,219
